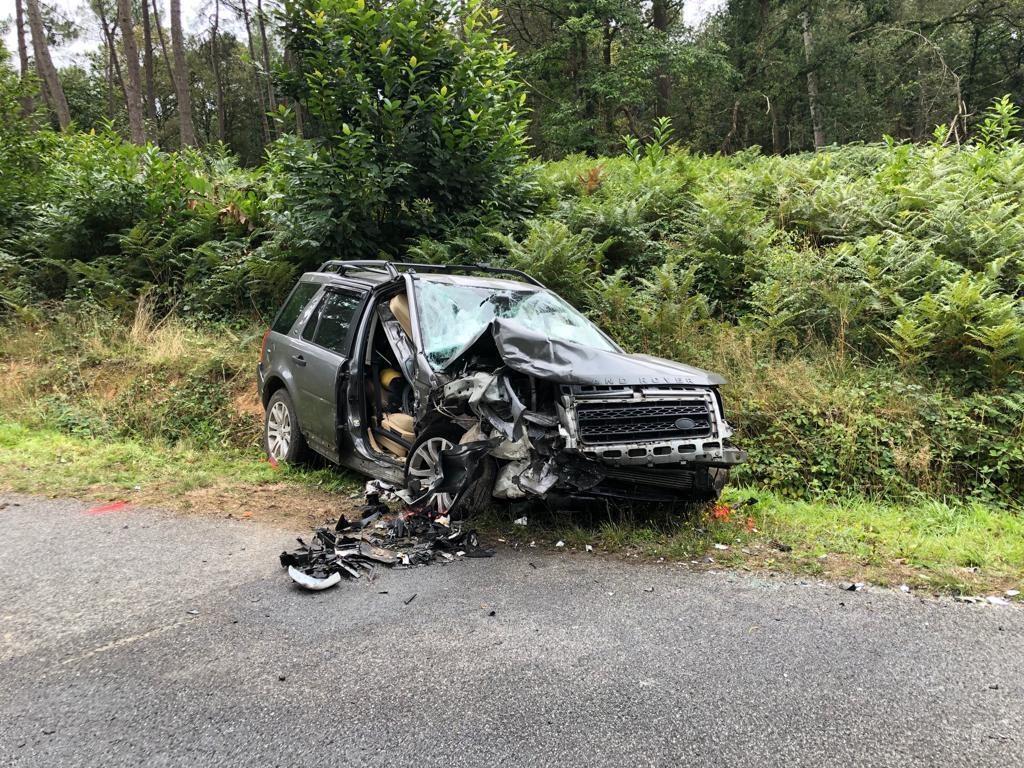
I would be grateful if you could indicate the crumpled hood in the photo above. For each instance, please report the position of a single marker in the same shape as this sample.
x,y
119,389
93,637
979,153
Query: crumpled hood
x,y
566,362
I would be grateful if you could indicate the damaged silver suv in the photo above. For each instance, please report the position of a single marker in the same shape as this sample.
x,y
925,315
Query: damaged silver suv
x,y
460,384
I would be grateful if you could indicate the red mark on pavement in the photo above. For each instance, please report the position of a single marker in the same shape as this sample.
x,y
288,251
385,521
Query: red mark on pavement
x,y
105,508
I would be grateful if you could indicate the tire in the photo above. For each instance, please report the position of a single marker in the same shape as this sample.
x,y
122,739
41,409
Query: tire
x,y
419,466
282,438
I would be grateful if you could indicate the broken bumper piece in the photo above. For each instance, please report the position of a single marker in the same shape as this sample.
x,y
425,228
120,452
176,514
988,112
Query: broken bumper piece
x,y
412,537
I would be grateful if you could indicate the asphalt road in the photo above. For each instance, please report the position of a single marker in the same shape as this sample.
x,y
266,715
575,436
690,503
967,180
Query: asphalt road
x,y
144,639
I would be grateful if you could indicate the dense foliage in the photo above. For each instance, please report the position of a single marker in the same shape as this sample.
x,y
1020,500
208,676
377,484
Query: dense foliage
x,y
729,75
864,301
751,73
419,122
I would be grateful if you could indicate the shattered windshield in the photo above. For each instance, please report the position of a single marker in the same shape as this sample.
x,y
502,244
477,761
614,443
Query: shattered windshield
x,y
451,316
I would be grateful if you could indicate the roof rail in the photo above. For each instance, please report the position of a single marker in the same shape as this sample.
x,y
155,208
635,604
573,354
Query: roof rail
x,y
395,268
341,267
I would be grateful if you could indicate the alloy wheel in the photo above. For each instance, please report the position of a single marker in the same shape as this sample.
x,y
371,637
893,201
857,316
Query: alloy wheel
x,y
279,431
425,465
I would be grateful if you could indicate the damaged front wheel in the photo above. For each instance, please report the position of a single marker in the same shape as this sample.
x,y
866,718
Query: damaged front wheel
x,y
423,470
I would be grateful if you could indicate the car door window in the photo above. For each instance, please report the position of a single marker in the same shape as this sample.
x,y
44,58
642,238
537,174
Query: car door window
x,y
292,308
330,324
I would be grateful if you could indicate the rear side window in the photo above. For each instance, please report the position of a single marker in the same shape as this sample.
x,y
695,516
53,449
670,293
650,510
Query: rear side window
x,y
292,308
330,324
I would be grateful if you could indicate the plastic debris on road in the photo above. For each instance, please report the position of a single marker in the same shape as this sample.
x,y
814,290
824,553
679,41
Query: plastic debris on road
x,y
408,538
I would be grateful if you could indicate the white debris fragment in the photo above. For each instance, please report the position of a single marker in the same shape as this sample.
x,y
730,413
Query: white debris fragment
x,y
996,600
520,521
1012,592
309,582
589,548
721,546
560,543
904,588
533,543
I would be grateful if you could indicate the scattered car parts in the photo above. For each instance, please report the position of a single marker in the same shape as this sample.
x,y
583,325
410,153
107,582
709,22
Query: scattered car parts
x,y
414,536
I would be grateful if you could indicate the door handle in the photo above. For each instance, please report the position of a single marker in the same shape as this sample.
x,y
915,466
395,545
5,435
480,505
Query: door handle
x,y
299,359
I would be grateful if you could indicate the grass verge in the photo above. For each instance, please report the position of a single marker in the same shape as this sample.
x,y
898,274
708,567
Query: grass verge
x,y
932,546
203,480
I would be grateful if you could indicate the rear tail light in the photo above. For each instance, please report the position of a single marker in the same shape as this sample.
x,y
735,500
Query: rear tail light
x,y
263,346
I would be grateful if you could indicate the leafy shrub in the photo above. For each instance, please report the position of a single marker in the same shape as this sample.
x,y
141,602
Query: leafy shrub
x,y
416,120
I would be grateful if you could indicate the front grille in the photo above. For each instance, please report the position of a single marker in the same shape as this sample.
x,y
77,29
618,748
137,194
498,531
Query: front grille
x,y
643,421
678,479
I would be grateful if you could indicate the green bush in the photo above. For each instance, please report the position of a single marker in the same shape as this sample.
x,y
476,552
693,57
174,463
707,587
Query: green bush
x,y
416,120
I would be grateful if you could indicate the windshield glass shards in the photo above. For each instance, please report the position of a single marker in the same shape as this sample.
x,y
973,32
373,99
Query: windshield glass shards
x,y
452,316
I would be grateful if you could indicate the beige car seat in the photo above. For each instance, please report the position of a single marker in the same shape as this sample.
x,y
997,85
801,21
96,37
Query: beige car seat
x,y
399,306
402,425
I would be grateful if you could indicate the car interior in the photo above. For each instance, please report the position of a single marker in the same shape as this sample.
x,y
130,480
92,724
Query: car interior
x,y
388,375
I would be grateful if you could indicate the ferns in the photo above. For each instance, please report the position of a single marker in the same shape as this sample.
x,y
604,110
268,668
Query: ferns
x,y
887,254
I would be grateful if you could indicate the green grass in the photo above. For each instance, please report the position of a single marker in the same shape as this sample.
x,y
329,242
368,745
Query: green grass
x,y
49,462
937,546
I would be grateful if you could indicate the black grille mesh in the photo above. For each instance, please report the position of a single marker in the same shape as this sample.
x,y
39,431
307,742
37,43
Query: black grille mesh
x,y
638,422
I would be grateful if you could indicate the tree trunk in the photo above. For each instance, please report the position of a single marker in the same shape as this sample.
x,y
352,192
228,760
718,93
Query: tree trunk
x,y
265,49
52,88
27,102
133,81
114,64
163,43
289,63
812,83
181,87
217,78
110,79
147,59
660,21
264,122
776,138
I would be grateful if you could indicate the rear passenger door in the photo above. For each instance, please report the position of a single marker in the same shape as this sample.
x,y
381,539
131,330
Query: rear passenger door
x,y
319,360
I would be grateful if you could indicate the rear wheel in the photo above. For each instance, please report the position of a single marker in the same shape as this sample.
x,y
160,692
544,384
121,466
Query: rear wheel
x,y
424,466
282,439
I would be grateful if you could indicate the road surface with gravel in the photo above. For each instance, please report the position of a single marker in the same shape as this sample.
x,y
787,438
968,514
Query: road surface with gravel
x,y
143,638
